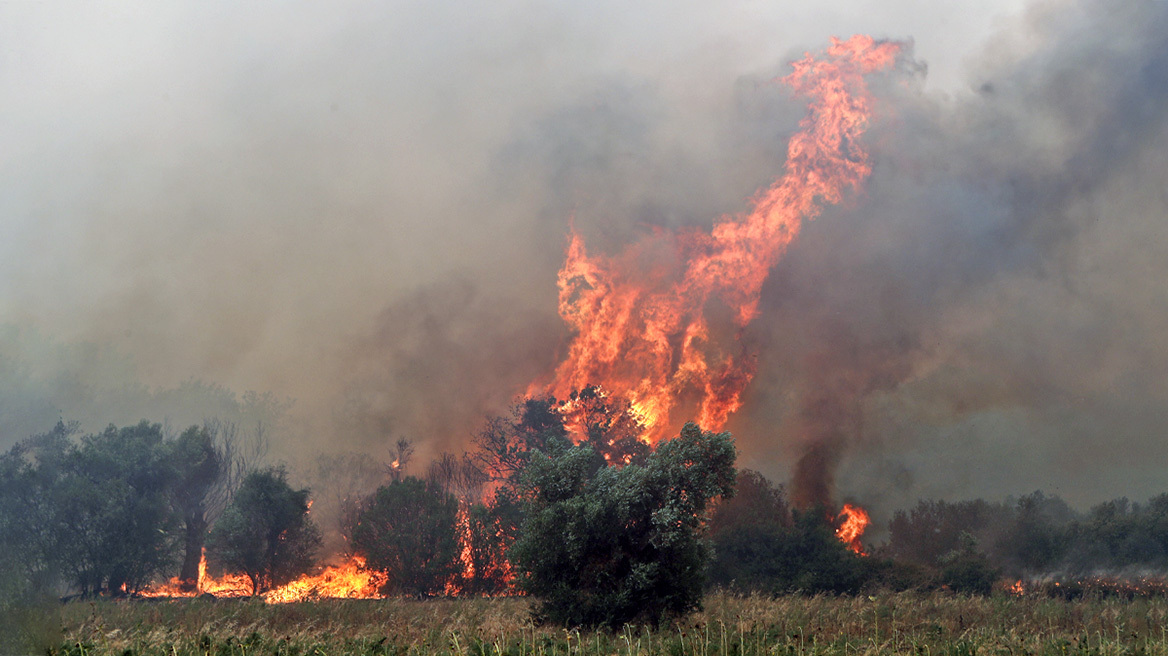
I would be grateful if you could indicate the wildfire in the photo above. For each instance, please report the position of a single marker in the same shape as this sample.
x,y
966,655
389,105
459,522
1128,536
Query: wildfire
x,y
228,585
643,331
348,580
853,521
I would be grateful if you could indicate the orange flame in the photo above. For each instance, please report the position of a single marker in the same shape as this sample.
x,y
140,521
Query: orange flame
x,y
228,585
642,330
854,520
348,580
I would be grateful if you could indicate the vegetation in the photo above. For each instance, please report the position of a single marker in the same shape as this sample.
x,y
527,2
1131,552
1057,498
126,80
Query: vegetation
x,y
586,573
408,529
265,533
762,545
730,625
605,532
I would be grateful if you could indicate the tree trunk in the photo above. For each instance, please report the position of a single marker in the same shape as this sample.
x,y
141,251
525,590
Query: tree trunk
x,y
196,536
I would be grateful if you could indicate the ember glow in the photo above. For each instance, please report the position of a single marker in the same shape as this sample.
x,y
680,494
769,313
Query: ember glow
x,y
642,318
853,521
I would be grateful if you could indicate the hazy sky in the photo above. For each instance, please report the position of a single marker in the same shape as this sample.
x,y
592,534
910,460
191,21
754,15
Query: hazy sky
x,y
362,206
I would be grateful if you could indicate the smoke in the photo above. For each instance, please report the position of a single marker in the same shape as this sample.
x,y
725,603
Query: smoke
x,y
361,209
986,317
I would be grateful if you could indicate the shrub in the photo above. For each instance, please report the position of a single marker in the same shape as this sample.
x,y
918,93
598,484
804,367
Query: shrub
x,y
604,545
265,533
408,529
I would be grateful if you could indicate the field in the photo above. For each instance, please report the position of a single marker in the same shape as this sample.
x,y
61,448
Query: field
x,y
906,623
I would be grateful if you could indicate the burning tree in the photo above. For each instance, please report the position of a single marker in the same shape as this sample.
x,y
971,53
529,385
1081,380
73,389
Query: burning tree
x,y
602,545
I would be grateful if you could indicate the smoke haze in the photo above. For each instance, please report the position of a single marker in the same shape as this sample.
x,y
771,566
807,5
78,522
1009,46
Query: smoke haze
x,y
360,209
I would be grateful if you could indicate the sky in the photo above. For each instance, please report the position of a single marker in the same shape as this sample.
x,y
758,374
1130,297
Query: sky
x,y
357,210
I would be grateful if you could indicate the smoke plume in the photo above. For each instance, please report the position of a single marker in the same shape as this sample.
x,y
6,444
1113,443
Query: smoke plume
x,y
361,210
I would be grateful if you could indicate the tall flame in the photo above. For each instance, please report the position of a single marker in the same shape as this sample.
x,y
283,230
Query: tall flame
x,y
853,521
642,331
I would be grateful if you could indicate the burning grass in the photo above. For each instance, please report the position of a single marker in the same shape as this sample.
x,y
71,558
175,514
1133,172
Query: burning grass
x,y
936,623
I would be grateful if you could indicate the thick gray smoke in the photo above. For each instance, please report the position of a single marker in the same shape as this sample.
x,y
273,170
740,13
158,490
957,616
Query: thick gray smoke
x,y
989,315
361,210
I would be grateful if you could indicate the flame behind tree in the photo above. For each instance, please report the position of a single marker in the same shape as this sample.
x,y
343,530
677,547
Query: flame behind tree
x,y
853,520
643,319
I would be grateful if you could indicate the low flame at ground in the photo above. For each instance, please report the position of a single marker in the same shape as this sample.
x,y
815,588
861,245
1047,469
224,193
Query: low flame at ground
x,y
347,580
853,521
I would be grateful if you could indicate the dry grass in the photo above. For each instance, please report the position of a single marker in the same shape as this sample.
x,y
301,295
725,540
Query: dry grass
x,y
906,623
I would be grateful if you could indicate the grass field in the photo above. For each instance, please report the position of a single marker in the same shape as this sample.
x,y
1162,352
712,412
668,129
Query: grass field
x,y
906,623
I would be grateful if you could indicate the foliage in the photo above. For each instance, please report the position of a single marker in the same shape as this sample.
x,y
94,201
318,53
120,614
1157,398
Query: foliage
x,y
407,529
965,570
487,565
111,508
932,529
602,545
505,444
198,466
265,533
762,545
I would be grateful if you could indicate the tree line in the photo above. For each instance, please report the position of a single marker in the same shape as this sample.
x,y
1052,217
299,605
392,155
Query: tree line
x,y
601,532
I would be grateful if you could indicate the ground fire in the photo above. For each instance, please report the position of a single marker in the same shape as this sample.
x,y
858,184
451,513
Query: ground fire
x,y
346,580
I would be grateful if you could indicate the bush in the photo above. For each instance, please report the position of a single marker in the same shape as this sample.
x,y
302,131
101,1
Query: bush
x,y
761,545
603,545
408,529
969,574
265,533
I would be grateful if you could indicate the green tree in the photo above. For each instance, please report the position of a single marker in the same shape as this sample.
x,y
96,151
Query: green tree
x,y
408,529
199,466
966,570
748,532
30,540
265,532
112,504
602,545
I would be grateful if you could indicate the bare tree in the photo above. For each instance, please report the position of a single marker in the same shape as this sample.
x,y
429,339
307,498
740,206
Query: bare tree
x,y
462,477
210,463
341,483
399,457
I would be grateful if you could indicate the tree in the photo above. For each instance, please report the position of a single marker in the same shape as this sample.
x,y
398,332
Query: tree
x,y
606,423
505,444
265,532
603,545
113,503
198,467
748,532
966,570
408,531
